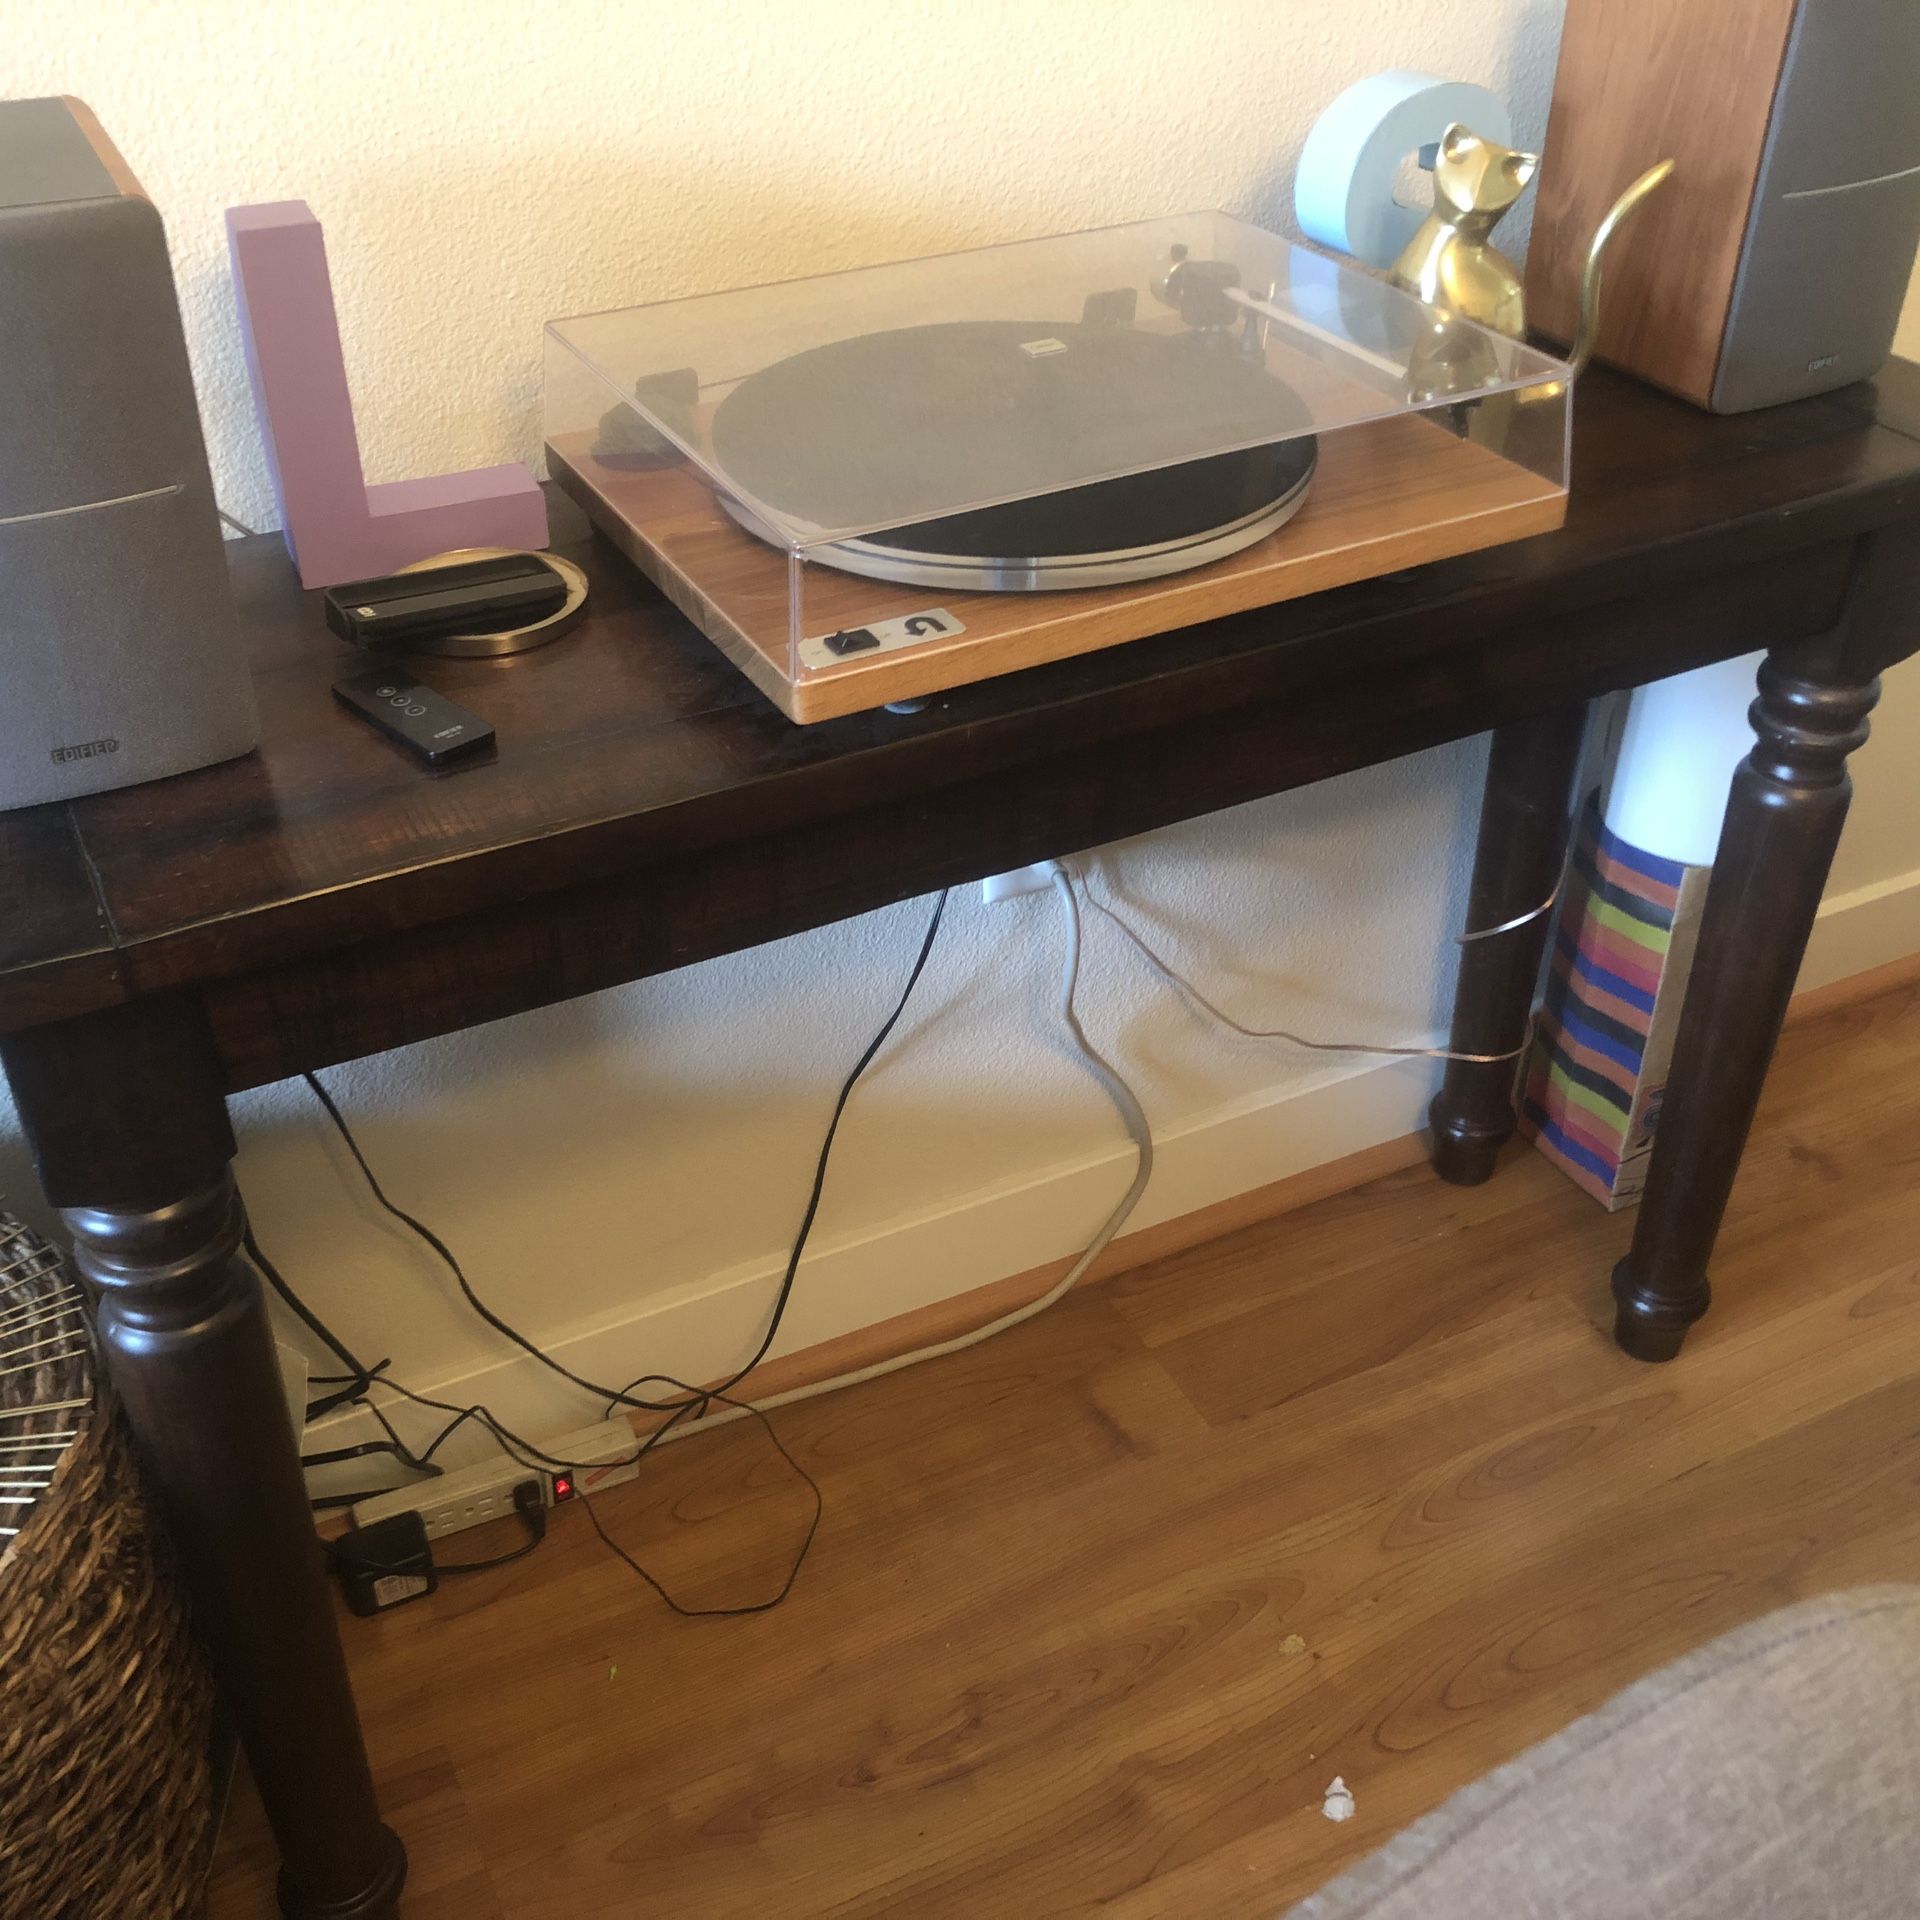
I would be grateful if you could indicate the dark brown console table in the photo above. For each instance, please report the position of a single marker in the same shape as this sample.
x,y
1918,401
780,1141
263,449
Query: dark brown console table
x,y
165,946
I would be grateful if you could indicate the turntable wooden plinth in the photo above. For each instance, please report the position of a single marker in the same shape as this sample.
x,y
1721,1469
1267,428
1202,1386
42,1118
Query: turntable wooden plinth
x,y
1392,494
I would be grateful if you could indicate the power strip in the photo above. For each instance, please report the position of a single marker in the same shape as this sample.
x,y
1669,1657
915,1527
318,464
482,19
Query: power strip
x,y
475,1495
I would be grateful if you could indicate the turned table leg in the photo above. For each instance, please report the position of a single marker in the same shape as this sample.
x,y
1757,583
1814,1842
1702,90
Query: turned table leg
x,y
1783,822
1522,848
129,1126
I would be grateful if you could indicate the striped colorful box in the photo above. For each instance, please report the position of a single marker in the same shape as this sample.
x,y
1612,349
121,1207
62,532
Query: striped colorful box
x,y
1622,951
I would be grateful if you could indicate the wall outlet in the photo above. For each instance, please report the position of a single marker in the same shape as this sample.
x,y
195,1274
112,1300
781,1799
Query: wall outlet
x,y
1037,878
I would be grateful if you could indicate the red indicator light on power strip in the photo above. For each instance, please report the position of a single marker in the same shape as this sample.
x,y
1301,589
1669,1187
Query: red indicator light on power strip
x,y
562,1487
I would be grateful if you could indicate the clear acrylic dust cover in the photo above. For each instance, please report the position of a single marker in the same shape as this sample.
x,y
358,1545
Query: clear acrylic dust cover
x,y
1054,416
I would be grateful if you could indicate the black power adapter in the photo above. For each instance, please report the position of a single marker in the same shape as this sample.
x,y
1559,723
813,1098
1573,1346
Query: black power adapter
x,y
385,1564
391,1562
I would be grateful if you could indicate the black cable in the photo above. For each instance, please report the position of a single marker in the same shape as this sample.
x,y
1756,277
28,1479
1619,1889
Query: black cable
x,y
354,1389
625,1396
353,1385
534,1512
696,1401
422,1463
847,1086
347,1555
793,1572
447,1256
357,1369
820,1167
384,1378
524,1453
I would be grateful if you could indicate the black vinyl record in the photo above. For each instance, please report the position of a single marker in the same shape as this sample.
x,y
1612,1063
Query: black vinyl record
x,y
843,434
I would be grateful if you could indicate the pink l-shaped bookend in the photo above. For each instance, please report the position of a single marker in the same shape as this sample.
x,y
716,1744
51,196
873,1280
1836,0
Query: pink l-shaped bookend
x,y
336,526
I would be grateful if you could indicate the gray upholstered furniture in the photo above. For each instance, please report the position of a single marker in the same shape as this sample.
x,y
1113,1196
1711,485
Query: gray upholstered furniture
x,y
1774,1775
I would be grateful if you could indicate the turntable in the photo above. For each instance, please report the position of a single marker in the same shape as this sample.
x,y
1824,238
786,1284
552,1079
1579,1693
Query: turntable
x,y
875,485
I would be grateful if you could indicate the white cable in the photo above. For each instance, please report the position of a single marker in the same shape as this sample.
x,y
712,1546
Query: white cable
x,y
1175,978
1532,914
1139,1130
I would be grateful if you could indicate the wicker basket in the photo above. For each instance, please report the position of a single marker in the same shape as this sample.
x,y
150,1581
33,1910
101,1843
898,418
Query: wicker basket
x,y
106,1805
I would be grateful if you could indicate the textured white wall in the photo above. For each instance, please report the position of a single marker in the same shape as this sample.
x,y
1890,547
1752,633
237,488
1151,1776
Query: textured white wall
x,y
483,168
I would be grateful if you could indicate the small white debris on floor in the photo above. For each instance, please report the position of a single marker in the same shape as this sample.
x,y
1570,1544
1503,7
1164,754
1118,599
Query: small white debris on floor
x,y
1338,1804
1293,1646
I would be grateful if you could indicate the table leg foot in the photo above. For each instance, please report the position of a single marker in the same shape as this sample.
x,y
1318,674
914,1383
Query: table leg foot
x,y
1462,1151
1646,1327
378,1899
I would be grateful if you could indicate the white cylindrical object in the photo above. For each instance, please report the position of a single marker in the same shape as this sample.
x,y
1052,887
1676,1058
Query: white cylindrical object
x,y
1678,750
1343,193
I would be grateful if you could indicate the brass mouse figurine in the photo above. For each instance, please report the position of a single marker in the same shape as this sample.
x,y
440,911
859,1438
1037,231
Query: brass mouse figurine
x,y
1451,265
1449,262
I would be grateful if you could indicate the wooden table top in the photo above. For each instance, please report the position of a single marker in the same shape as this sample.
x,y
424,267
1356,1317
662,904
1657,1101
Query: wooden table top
x,y
630,751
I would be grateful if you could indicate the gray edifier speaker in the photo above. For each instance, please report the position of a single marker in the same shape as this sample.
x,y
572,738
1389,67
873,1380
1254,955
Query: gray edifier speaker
x,y
1773,264
120,655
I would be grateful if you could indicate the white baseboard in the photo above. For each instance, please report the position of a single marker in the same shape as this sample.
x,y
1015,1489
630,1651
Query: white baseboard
x,y
1864,929
700,1330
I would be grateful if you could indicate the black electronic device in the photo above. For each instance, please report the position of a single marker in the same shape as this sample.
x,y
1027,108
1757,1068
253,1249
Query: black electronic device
x,y
511,590
385,1564
424,722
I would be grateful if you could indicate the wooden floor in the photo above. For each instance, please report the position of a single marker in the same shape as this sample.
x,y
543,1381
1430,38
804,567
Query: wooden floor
x,y
1098,1610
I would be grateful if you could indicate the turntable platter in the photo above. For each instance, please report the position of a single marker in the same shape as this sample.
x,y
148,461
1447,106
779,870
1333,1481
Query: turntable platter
x,y
1014,412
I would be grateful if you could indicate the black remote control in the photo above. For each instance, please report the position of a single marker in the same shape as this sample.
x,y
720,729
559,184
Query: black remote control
x,y
424,722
